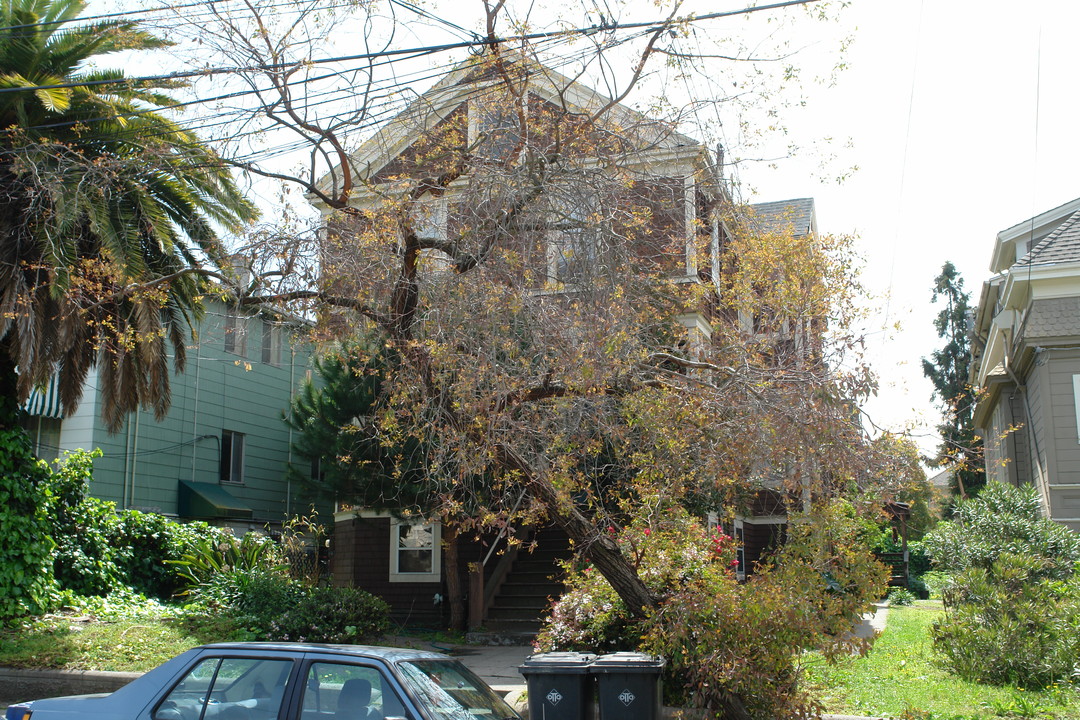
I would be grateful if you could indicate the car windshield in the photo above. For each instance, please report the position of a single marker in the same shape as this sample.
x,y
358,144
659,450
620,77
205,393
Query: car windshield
x,y
450,691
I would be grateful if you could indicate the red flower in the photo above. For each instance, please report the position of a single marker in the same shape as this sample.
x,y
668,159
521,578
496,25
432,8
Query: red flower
x,y
647,532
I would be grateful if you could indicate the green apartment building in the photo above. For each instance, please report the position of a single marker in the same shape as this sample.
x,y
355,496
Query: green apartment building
x,y
222,452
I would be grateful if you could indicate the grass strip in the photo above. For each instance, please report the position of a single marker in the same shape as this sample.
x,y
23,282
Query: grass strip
x,y
901,678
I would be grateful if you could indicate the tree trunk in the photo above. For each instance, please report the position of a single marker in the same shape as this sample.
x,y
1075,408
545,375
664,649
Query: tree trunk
x,y
602,550
9,404
732,708
455,595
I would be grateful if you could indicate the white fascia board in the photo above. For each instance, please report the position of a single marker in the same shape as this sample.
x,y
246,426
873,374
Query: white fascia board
x,y
1041,281
1033,230
987,301
992,355
695,321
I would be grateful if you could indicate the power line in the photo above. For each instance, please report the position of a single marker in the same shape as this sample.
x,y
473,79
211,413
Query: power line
x,y
649,26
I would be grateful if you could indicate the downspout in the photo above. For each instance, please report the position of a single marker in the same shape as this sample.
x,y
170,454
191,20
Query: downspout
x,y
134,455
195,405
292,393
1036,461
127,460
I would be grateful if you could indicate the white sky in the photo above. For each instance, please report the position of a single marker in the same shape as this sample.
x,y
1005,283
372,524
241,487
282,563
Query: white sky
x,y
962,117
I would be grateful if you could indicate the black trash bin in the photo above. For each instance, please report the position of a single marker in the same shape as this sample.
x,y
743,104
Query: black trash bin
x,y
628,685
560,687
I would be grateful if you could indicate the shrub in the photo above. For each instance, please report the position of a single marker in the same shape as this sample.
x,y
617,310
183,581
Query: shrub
x,y
255,596
26,579
83,528
217,549
918,588
919,560
1008,625
333,615
730,647
901,596
147,546
1003,519
936,581
1012,612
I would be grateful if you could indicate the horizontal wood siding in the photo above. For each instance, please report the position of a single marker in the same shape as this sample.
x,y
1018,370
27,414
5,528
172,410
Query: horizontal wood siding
x,y
144,462
1037,435
1019,439
368,567
1066,447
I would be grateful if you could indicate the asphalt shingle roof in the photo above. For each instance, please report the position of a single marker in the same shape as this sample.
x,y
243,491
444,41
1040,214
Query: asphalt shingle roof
x,y
1062,245
797,214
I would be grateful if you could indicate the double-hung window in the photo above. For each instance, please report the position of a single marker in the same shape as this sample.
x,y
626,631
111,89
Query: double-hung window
x,y
235,333
414,551
232,457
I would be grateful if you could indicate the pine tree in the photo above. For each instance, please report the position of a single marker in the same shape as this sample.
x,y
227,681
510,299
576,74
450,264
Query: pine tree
x,y
947,368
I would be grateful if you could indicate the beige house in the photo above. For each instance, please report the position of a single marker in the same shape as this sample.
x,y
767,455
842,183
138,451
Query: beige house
x,y
1027,360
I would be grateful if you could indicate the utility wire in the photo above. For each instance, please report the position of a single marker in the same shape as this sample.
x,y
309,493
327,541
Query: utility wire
x,y
649,26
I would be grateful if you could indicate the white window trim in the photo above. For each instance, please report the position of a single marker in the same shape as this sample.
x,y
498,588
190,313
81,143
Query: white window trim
x,y
236,333
436,554
234,471
738,535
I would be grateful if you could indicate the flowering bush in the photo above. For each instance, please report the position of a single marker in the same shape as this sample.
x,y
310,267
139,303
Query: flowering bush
x,y
732,648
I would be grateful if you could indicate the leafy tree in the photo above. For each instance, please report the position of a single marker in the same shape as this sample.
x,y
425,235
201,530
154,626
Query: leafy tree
x,y
581,341
900,477
108,208
948,369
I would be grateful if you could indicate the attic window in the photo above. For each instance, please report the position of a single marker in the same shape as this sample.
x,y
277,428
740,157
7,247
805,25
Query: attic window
x,y
494,129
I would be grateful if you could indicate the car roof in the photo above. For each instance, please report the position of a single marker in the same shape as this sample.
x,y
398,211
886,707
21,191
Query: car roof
x,y
387,654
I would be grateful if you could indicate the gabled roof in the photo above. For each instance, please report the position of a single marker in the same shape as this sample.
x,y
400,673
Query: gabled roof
x,y
798,215
467,80
1013,242
1062,245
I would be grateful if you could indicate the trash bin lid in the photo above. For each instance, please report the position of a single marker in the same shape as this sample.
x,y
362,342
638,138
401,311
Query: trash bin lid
x,y
557,662
628,662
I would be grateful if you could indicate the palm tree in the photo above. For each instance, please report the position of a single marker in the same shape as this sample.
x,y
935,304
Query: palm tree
x,y
108,215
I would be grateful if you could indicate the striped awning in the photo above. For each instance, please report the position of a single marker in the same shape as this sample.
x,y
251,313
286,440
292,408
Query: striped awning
x,y
44,402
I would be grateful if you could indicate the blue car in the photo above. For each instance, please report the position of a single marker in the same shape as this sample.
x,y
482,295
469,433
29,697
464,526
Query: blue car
x,y
289,681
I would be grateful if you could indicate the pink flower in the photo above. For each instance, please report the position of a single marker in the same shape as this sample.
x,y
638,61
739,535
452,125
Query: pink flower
x,y
611,529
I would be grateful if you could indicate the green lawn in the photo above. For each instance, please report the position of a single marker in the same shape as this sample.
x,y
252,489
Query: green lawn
x,y
121,644
899,678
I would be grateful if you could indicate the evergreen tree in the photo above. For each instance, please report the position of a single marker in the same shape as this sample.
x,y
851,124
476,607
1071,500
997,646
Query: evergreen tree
x,y
948,368
334,416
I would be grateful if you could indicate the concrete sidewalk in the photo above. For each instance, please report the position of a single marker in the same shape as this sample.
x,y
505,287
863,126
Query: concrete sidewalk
x,y
497,665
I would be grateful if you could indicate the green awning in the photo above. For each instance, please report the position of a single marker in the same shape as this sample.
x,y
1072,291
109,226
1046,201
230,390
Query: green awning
x,y
207,500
